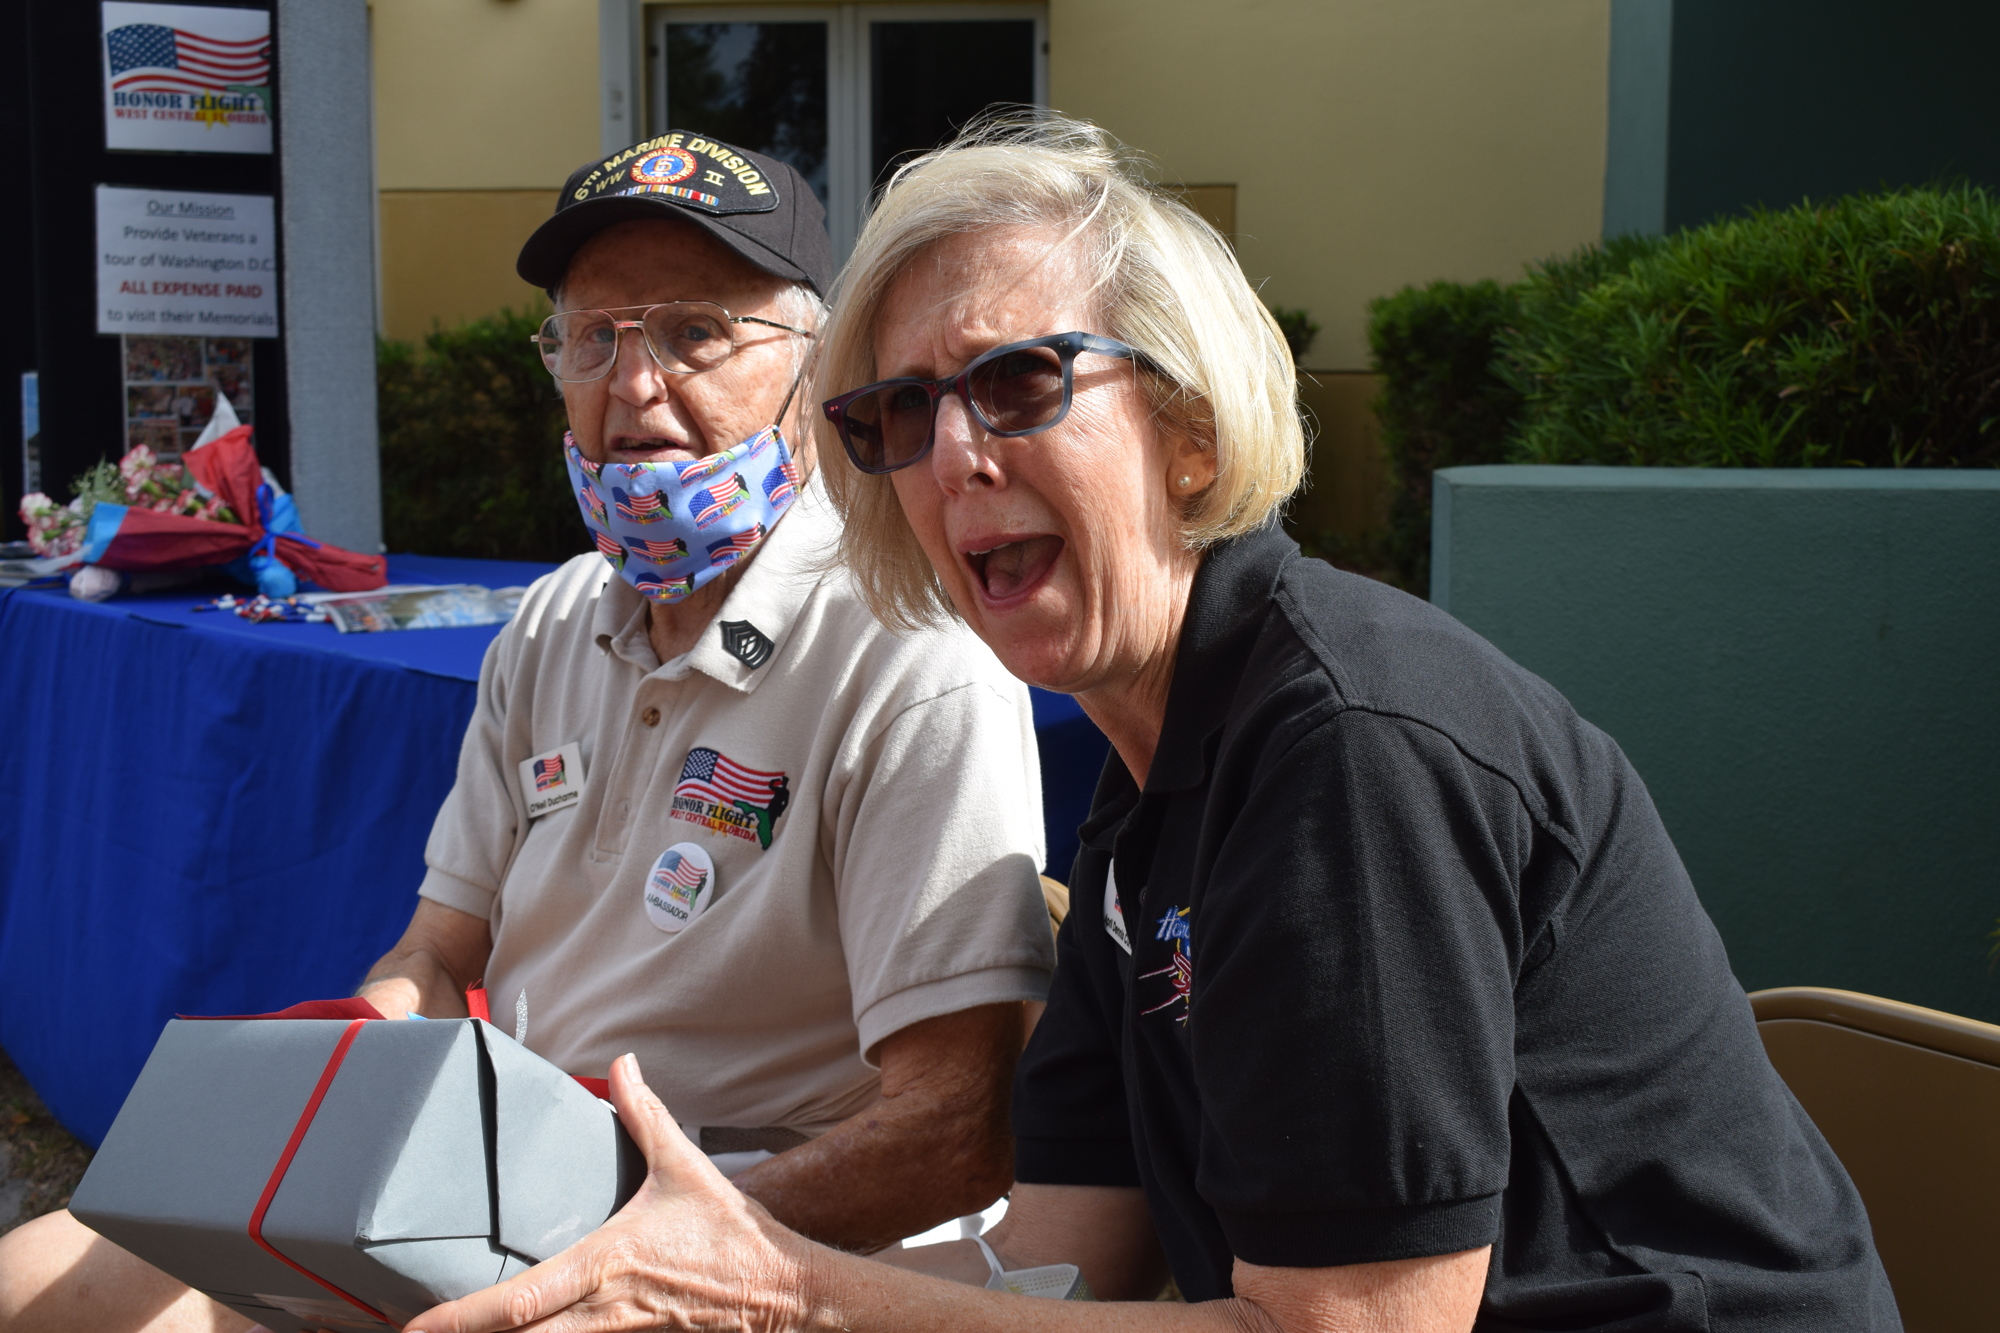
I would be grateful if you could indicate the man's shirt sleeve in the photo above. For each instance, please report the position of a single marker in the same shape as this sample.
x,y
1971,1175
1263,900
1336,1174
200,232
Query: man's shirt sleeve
x,y
472,840
935,839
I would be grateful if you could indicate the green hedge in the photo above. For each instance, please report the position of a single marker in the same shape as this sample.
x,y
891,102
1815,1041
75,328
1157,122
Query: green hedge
x,y
1864,332
471,424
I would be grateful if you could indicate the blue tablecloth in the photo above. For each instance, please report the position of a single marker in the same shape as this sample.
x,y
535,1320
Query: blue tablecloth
x,y
203,815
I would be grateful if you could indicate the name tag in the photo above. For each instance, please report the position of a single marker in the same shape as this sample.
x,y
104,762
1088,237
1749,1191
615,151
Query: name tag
x,y
552,781
1114,915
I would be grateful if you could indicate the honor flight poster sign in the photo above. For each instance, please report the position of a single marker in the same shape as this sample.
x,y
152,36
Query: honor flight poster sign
x,y
187,78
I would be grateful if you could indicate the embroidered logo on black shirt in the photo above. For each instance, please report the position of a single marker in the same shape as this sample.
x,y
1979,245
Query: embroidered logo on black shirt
x,y
746,643
1179,972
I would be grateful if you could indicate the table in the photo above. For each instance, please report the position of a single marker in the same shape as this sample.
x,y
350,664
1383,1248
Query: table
x,y
203,815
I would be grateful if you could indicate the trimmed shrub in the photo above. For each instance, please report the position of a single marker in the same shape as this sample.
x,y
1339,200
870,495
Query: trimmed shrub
x,y
1441,405
1865,331
472,428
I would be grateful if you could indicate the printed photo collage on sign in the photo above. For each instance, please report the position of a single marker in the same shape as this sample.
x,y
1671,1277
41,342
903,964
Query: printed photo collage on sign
x,y
170,388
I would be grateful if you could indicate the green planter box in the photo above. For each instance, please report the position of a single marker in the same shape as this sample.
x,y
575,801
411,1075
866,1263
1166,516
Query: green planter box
x,y
1804,665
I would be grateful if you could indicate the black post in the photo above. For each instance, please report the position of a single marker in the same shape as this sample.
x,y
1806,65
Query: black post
x,y
17,237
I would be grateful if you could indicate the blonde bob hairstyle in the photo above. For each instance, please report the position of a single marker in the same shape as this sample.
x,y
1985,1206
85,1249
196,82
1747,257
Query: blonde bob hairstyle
x,y
1164,281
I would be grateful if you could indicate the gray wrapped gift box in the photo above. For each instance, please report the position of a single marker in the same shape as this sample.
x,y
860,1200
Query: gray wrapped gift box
x,y
440,1158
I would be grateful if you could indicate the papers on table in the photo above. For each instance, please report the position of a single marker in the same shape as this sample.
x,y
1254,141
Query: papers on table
x,y
20,573
417,606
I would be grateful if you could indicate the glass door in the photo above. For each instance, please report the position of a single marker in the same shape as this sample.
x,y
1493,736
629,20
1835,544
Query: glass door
x,y
844,93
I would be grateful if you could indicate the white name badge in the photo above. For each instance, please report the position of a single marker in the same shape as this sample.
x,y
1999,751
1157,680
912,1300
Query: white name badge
x,y
552,781
1114,915
679,886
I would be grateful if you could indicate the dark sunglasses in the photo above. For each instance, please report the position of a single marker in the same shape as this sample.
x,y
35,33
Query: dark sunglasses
x,y
1017,389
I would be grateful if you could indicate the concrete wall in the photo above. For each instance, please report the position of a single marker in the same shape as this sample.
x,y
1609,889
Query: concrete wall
x,y
1719,106
329,248
1800,664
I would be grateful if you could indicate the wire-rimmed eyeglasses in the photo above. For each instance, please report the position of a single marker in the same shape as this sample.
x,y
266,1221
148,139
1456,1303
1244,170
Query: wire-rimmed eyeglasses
x,y
1017,389
683,338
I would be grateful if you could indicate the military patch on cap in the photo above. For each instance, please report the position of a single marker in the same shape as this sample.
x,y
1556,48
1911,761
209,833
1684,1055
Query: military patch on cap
x,y
691,171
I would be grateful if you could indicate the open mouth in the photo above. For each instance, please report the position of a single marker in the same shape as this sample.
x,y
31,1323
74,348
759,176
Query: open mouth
x,y
1012,569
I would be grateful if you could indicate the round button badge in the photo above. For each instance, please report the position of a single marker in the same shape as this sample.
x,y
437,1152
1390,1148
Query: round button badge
x,y
679,886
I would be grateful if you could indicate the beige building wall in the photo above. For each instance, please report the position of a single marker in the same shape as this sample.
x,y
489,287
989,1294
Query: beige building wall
x,y
482,108
1373,143
1350,147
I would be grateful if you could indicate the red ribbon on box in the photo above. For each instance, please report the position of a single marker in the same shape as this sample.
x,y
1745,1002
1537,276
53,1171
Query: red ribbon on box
x,y
340,1050
356,1011
476,1005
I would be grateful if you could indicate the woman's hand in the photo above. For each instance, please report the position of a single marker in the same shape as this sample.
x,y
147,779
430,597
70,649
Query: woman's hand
x,y
688,1250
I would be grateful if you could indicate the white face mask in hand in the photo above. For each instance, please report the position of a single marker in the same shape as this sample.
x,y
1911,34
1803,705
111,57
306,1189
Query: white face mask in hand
x,y
668,528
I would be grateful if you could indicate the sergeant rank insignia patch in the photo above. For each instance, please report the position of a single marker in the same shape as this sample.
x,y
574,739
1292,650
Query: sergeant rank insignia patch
x,y
724,796
746,643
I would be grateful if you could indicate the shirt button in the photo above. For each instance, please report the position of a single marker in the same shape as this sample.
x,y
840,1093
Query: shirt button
x,y
651,717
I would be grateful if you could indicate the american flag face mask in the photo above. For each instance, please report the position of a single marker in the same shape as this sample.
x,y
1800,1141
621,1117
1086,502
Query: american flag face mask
x,y
668,528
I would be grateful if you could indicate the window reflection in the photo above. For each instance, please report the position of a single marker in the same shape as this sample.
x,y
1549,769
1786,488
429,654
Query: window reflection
x,y
761,86
928,79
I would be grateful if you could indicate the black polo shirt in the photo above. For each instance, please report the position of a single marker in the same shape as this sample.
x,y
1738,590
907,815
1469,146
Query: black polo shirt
x,y
1414,969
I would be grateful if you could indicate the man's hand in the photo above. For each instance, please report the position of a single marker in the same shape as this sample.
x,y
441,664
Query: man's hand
x,y
442,951
934,1146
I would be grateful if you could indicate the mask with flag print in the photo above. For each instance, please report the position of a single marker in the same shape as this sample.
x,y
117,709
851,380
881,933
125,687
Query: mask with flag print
x,y
668,528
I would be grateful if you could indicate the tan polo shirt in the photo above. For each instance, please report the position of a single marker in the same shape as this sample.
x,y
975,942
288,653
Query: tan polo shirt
x,y
870,802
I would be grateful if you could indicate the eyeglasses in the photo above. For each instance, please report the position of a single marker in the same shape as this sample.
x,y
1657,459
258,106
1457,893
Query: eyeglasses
x,y
684,338
1014,390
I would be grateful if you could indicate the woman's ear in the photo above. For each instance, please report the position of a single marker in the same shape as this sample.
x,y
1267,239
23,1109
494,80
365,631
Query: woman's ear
x,y
1190,468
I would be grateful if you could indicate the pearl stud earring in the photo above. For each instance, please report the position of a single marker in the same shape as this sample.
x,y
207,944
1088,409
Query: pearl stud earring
x,y
1185,481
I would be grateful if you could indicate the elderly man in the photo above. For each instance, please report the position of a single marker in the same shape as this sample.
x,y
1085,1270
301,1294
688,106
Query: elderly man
x,y
708,808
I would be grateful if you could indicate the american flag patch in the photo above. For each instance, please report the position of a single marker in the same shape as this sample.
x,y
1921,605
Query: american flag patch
x,y
660,552
593,504
731,549
548,773
713,776
718,501
647,508
611,549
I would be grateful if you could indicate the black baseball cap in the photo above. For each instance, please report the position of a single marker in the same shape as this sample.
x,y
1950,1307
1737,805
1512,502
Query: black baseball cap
x,y
756,205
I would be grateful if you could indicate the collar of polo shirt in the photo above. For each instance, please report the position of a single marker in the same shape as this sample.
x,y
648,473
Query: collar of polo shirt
x,y
781,576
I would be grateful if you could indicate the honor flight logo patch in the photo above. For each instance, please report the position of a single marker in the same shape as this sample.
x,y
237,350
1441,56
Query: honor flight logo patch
x,y
724,796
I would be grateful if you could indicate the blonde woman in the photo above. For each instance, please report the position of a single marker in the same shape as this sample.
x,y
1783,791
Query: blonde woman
x,y
1385,1002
